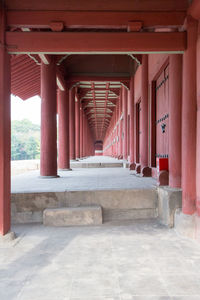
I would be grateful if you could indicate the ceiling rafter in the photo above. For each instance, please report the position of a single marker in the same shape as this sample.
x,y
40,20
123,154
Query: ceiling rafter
x,y
99,99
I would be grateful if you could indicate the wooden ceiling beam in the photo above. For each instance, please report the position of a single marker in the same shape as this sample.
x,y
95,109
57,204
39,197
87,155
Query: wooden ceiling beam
x,y
93,19
97,42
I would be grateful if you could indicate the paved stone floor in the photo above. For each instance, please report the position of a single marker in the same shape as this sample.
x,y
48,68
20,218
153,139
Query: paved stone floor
x,y
82,179
129,261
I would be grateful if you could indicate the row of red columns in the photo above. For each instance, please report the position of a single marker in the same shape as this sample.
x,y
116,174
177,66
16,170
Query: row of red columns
x,y
184,151
184,132
74,137
73,129
187,149
184,121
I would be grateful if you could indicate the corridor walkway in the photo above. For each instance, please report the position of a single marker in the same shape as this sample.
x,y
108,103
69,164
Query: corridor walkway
x,y
129,261
82,179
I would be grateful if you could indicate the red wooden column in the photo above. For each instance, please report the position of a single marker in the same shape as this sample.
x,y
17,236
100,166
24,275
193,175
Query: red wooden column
x,y
72,123
48,160
77,126
189,121
120,125
4,133
84,136
88,140
145,170
116,130
125,113
81,131
132,157
175,103
63,129
112,143
115,139
198,125
117,147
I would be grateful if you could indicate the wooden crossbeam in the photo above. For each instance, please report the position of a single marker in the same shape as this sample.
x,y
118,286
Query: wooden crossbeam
x,y
93,19
95,42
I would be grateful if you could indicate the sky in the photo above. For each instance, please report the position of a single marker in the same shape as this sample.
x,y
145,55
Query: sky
x,y
28,109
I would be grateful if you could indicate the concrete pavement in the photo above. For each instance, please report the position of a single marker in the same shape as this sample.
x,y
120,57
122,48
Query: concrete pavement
x,y
118,261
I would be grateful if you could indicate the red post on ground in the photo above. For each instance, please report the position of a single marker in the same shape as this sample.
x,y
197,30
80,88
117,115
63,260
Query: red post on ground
x,y
145,170
63,129
84,134
4,133
132,122
198,126
125,112
81,131
120,125
48,159
72,123
117,145
175,103
189,121
77,126
88,140
114,134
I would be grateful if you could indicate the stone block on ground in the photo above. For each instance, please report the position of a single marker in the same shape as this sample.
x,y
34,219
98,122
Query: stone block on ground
x,y
169,199
72,216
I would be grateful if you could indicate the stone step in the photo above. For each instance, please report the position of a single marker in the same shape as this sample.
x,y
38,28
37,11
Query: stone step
x,y
73,216
129,214
95,165
115,204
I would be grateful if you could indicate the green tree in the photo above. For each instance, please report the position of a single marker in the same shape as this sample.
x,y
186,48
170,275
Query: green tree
x,y
25,140
32,148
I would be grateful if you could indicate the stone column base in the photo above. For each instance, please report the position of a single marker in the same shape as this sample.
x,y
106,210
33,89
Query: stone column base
x,y
146,172
132,166
187,225
169,199
138,168
163,178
